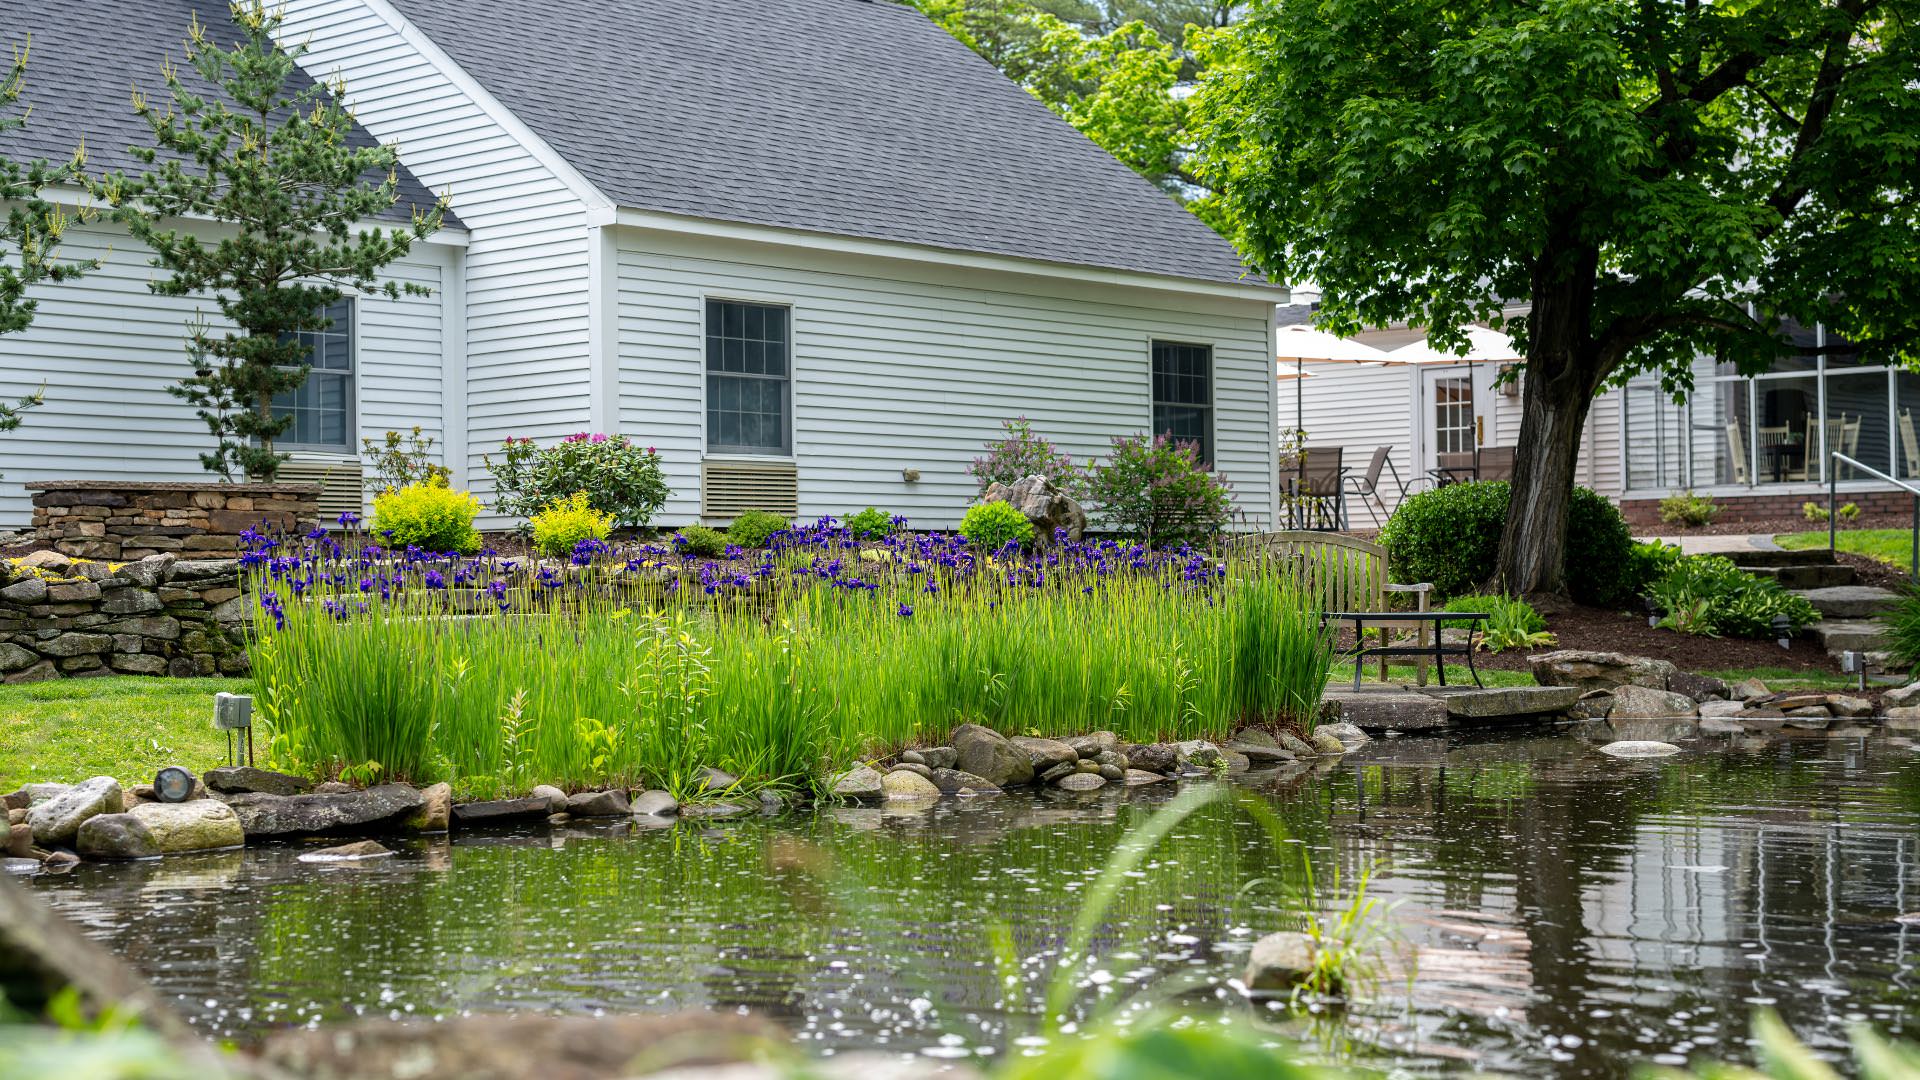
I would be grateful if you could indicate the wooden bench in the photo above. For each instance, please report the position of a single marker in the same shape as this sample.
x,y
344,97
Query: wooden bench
x,y
1342,573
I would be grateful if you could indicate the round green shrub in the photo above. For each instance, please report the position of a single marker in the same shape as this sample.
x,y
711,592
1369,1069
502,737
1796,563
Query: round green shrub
x,y
701,542
991,526
560,528
751,529
1450,536
429,516
871,524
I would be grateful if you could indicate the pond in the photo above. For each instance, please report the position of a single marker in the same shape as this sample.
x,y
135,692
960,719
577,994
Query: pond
x,y
1562,913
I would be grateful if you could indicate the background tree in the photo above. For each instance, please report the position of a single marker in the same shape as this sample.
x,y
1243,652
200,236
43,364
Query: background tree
x,y
30,233
1639,171
274,160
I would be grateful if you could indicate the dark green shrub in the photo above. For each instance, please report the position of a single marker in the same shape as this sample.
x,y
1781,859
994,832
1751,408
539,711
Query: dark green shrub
x,y
1157,490
700,542
992,526
751,529
1511,623
1903,629
1708,594
1450,536
1686,508
871,524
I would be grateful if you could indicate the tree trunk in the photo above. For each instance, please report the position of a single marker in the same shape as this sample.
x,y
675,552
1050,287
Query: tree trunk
x,y
1564,370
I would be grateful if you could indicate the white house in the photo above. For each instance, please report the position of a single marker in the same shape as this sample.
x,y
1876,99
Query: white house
x,y
815,251
1755,444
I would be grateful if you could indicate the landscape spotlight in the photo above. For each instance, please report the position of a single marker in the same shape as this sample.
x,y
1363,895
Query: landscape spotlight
x,y
173,784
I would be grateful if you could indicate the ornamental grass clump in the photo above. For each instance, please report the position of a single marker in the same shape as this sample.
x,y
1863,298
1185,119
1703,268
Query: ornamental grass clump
x,y
645,665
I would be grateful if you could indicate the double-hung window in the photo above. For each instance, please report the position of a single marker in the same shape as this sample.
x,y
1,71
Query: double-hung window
x,y
1183,394
322,408
749,399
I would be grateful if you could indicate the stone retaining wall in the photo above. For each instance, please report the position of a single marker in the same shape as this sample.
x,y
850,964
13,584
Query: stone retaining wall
x,y
71,618
111,519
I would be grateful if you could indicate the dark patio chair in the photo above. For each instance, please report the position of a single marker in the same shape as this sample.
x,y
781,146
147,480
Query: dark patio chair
x,y
1367,485
1455,468
1320,488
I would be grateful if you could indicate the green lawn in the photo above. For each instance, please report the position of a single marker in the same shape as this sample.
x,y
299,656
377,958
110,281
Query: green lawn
x,y
125,727
1893,546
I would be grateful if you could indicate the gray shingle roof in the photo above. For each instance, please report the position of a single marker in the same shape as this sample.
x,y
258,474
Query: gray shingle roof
x,y
849,117
87,55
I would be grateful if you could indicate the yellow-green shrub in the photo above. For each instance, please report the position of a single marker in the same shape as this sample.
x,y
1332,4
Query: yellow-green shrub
x,y
428,516
560,528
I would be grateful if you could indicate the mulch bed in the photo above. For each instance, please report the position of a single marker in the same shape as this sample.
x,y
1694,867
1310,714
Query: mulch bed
x,y
1773,526
1611,631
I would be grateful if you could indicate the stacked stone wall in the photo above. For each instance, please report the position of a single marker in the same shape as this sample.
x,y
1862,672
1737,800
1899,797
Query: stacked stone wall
x,y
160,615
103,519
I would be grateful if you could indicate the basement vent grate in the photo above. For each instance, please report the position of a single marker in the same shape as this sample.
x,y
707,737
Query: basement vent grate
x,y
341,486
731,488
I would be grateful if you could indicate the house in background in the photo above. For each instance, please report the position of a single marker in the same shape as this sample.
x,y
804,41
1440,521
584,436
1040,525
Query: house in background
x,y
815,251
1755,444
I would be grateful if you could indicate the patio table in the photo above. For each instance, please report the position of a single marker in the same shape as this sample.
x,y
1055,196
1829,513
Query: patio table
x,y
1395,620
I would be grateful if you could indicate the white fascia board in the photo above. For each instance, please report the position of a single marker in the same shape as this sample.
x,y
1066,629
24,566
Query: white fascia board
x,y
80,199
655,221
541,151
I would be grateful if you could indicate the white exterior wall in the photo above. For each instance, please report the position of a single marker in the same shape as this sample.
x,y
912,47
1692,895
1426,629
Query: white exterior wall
x,y
527,273
901,364
106,349
1358,407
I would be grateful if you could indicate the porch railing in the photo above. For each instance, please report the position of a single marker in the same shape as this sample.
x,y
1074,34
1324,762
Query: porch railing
x,y
1833,515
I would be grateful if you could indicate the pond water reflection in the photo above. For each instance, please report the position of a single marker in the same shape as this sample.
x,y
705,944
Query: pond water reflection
x,y
1568,914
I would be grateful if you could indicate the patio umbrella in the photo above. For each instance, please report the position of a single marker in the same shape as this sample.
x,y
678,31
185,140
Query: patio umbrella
x,y
1301,343
1483,346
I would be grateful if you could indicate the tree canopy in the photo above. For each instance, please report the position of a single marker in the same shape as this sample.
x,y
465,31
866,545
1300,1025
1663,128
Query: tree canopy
x,y
1645,173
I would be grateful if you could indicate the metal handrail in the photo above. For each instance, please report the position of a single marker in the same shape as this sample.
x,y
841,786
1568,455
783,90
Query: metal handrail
x,y
1833,518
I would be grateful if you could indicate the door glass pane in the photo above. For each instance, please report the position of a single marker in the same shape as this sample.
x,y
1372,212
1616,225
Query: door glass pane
x,y
1857,421
1906,424
1786,410
1656,433
1453,414
1722,433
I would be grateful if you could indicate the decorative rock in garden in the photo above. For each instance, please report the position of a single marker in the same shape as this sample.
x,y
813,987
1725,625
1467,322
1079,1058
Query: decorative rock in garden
x,y
247,780
19,840
599,804
1295,745
1902,697
899,785
1043,504
1639,748
957,782
914,767
1849,706
436,813
162,829
556,799
1279,961
363,849
1092,746
1599,670
1350,735
1141,778
989,755
1199,753
938,757
1081,781
1748,690
1709,709
1698,687
718,780
1065,768
1260,755
862,782
1044,753
656,803
718,809
1154,757
501,811
57,820
115,836
376,808
1328,744
1632,701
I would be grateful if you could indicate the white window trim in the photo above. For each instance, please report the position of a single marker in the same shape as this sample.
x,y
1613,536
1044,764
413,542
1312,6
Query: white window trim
x,y
351,449
1213,390
793,376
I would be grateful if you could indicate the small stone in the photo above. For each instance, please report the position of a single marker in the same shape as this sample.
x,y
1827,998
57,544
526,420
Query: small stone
x,y
939,757
1328,744
17,816
501,811
1089,746
989,755
719,808
1279,961
332,787
1294,745
1639,748
716,781
47,560
1109,757
1698,687
1087,765
1720,709
57,821
916,769
956,782
1140,778
862,782
1156,757
364,849
912,757
1253,736
599,804
59,862
1063,769
556,799
902,785
1082,781
1264,755
1237,763
31,590
1751,690
1112,773
19,840
1903,697
1199,753
656,803
1849,706
1635,702
1350,735
1792,700
436,813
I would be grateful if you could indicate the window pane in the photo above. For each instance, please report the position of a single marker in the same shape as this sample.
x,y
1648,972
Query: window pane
x,y
1781,430
1906,424
1857,421
1182,394
1722,433
746,384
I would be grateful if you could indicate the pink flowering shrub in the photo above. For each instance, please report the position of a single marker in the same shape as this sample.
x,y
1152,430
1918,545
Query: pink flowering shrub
x,y
1159,492
620,480
1019,453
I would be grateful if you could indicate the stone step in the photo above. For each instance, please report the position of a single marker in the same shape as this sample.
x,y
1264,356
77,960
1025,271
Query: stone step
x,y
1843,635
1820,575
1851,601
1383,708
1504,702
1774,557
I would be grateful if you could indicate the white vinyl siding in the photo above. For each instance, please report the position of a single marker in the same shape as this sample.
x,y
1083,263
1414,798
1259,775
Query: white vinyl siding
x,y
107,348
901,366
1357,407
527,262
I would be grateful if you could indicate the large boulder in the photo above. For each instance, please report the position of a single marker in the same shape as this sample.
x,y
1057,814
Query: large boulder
x,y
1635,702
1045,505
382,808
115,836
990,756
902,785
503,811
1902,697
1045,753
599,804
162,829
1600,670
1279,961
436,810
57,821
247,780
860,782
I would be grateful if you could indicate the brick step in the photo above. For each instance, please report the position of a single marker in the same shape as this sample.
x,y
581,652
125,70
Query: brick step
x,y
1820,575
1851,601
